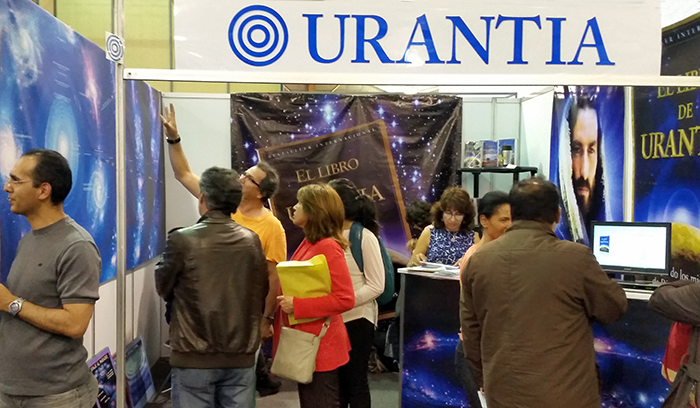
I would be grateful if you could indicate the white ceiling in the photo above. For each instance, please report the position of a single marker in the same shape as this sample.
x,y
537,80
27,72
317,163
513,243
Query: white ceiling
x,y
673,11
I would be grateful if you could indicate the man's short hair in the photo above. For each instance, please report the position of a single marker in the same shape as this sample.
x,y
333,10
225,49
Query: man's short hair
x,y
534,199
222,189
52,168
268,185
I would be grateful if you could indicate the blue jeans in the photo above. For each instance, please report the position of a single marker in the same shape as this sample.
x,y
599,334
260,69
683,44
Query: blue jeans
x,y
216,387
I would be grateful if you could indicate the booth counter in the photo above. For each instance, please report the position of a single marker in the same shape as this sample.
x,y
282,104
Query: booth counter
x,y
628,352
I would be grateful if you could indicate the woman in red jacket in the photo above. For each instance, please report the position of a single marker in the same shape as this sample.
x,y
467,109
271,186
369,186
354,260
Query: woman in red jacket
x,y
320,213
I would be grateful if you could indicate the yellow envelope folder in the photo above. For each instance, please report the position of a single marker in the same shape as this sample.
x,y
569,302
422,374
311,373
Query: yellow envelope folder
x,y
304,279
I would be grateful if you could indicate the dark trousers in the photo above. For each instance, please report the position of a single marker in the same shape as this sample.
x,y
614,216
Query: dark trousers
x,y
354,386
466,377
322,392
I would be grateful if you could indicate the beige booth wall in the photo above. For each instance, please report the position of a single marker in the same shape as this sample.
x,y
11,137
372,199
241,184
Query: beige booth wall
x,y
148,32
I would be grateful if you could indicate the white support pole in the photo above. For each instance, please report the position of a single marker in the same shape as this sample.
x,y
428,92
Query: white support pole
x,y
628,169
118,18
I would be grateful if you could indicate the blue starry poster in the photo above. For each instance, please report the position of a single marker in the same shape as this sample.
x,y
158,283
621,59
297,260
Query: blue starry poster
x,y
423,134
145,174
57,92
667,151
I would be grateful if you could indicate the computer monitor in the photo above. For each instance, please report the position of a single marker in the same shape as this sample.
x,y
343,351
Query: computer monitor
x,y
632,247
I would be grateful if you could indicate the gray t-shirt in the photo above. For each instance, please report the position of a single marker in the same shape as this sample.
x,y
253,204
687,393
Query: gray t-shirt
x,y
55,265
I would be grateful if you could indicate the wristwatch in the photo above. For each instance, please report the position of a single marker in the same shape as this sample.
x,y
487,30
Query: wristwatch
x,y
15,306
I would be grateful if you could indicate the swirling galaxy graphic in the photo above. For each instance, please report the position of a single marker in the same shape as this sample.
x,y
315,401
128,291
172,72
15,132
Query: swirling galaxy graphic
x,y
145,172
62,134
57,92
628,353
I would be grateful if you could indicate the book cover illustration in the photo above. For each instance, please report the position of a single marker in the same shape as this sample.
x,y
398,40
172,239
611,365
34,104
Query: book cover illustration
x,y
490,153
361,154
138,374
103,368
473,154
506,152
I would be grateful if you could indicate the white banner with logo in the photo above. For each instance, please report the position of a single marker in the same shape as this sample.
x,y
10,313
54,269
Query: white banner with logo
x,y
422,37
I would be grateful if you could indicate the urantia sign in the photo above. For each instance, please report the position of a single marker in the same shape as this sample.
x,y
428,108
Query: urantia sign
x,y
436,37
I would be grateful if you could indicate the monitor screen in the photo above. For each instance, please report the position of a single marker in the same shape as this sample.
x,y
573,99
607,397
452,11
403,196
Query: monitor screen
x,y
632,247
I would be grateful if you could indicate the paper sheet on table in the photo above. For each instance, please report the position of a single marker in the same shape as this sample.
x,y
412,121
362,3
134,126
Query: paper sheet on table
x,y
304,279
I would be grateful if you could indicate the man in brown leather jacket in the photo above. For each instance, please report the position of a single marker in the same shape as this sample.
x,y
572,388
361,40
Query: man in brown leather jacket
x,y
217,275
528,300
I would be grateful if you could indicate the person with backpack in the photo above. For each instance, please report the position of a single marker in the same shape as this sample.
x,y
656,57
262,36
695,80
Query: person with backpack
x,y
368,279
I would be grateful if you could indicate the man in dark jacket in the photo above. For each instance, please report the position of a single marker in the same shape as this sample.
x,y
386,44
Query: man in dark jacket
x,y
216,273
528,300
680,302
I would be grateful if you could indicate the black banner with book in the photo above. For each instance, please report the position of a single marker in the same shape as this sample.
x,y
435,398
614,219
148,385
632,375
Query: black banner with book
x,y
398,148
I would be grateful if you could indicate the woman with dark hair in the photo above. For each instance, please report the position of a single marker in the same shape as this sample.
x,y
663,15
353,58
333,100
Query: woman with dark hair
x,y
320,214
450,235
417,217
494,218
368,283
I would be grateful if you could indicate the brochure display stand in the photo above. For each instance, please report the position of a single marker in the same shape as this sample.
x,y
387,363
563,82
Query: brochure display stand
x,y
478,170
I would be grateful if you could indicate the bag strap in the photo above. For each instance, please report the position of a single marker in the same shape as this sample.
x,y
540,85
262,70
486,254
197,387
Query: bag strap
x,y
692,370
324,328
356,244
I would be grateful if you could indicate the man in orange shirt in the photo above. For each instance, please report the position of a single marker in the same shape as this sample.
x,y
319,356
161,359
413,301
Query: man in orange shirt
x,y
260,183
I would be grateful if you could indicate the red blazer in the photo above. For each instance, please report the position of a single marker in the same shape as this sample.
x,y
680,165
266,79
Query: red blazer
x,y
335,345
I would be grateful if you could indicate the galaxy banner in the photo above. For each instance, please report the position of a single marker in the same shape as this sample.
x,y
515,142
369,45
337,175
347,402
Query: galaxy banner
x,y
354,154
666,149
679,54
419,147
587,152
628,354
666,168
145,180
57,92
430,325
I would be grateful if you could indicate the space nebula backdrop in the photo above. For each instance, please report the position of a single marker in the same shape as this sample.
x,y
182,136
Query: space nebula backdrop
x,y
628,352
666,150
424,133
57,92
145,182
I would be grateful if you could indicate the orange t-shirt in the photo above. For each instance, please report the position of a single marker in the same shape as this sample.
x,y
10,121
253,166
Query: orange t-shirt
x,y
270,232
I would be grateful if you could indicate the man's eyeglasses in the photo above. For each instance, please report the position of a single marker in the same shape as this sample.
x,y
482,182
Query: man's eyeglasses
x,y
456,216
14,182
251,179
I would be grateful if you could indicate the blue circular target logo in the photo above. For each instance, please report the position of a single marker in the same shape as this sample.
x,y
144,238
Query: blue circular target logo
x,y
258,35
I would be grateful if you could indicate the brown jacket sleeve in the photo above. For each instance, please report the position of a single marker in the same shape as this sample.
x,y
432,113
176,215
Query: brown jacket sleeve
x,y
678,301
471,328
604,299
170,266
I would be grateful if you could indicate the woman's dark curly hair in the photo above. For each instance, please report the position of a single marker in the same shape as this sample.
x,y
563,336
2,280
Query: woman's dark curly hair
x,y
455,199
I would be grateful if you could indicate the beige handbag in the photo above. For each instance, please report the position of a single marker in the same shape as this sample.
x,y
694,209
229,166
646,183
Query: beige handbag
x,y
295,358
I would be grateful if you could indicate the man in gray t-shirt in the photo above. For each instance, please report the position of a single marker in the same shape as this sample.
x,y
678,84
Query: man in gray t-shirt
x,y
50,295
